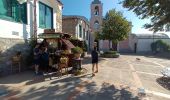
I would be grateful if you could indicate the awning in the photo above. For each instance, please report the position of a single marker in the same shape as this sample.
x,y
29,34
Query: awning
x,y
68,43
49,35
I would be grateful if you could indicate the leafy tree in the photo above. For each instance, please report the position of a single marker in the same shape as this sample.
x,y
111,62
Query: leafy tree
x,y
98,35
115,27
157,10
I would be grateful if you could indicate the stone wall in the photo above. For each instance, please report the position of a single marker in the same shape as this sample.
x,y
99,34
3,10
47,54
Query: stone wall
x,y
8,48
59,19
69,25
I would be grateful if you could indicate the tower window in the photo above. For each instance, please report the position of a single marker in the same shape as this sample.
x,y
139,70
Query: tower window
x,y
96,12
96,24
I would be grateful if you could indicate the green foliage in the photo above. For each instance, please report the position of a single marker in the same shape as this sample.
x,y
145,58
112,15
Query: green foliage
x,y
85,46
77,50
110,54
157,10
160,46
115,26
98,36
81,44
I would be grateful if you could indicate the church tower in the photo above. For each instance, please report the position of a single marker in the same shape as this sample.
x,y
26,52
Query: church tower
x,y
96,18
96,15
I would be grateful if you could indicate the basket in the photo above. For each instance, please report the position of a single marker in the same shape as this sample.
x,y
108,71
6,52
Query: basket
x,y
15,59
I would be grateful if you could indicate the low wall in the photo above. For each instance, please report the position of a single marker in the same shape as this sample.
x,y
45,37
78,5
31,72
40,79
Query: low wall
x,y
8,48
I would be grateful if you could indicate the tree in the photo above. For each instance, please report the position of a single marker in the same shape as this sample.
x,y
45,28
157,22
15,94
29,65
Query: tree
x,y
157,10
115,27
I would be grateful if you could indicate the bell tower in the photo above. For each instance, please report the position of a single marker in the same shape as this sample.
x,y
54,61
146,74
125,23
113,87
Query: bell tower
x,y
96,15
96,19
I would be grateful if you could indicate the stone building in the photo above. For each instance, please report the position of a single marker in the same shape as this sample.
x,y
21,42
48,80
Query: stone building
x,y
17,23
78,26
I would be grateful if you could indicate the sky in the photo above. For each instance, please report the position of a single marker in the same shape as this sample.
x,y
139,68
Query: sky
x,y
82,7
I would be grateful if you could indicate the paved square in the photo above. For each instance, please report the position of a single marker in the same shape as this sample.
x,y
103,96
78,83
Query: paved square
x,y
117,79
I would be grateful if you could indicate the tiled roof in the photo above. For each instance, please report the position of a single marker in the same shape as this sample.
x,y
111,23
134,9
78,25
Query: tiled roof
x,y
76,16
96,2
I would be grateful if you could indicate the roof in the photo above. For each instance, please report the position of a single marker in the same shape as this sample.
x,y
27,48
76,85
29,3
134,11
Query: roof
x,y
59,1
77,17
155,35
96,2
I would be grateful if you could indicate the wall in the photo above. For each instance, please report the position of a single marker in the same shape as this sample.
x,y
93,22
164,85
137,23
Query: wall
x,y
123,46
69,26
144,45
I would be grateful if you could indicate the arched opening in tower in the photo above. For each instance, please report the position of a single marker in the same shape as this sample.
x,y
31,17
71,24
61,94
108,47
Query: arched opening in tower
x,y
96,11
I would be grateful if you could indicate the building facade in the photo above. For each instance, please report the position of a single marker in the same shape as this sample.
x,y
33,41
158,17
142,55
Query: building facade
x,y
18,22
78,26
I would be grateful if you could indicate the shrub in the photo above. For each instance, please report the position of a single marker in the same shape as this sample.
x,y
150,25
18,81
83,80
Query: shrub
x,y
77,50
110,54
159,46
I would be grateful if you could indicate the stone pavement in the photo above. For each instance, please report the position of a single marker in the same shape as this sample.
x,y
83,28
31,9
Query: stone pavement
x,y
117,79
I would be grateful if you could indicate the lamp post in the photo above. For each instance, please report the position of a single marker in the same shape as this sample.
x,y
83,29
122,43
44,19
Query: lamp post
x,y
34,17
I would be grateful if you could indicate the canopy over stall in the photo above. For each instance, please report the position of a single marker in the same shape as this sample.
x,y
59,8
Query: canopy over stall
x,y
57,38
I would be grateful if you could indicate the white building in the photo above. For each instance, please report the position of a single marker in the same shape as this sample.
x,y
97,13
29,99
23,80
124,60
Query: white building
x,y
142,42
17,21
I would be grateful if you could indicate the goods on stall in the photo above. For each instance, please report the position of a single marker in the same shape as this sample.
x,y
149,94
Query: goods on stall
x,y
77,51
63,60
65,52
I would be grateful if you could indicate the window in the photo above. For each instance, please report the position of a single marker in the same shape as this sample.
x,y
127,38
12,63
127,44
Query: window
x,y
168,28
13,11
96,25
87,34
45,16
84,34
80,31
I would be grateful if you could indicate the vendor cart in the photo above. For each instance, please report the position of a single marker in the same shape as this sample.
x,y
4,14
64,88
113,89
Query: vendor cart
x,y
57,43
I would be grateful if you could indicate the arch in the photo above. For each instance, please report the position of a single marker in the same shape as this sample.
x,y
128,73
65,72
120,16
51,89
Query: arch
x,y
96,10
96,24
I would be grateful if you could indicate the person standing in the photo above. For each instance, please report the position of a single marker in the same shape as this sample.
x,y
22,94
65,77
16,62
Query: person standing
x,y
36,58
94,55
45,59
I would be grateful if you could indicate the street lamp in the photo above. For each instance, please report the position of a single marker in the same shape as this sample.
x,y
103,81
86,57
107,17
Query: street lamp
x,y
35,19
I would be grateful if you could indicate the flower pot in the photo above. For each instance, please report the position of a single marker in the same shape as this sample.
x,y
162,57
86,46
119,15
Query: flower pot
x,y
77,55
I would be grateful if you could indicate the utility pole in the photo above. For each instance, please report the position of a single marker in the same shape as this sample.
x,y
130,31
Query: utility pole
x,y
34,17
35,21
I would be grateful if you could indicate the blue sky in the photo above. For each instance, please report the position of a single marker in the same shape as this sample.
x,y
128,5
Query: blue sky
x,y
82,7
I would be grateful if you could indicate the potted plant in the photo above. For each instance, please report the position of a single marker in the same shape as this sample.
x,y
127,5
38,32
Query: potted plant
x,y
77,51
85,49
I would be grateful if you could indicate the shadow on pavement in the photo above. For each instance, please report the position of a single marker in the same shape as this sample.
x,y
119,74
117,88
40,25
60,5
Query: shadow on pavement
x,y
88,60
17,78
150,55
73,88
164,82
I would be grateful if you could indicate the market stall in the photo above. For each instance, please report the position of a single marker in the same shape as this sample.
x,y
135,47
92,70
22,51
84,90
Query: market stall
x,y
59,47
